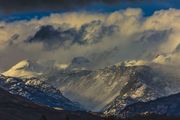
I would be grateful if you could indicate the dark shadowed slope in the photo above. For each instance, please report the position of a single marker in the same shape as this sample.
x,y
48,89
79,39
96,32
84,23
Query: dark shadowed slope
x,y
14,107
38,92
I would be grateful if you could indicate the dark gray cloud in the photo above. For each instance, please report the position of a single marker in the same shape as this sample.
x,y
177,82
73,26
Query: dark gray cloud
x,y
66,36
13,6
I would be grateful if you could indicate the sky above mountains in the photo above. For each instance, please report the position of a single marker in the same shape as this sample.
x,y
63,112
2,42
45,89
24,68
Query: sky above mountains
x,y
106,31
27,9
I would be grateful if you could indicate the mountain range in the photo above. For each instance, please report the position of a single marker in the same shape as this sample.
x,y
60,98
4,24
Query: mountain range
x,y
111,90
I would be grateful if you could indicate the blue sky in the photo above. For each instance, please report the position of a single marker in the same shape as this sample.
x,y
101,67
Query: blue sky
x,y
147,7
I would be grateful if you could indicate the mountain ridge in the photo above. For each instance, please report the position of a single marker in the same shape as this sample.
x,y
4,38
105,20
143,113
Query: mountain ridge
x,y
37,91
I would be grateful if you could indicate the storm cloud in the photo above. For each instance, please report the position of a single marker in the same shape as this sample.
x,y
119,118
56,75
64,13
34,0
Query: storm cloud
x,y
109,38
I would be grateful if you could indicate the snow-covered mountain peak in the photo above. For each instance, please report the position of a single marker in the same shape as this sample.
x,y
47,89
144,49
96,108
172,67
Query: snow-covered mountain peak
x,y
24,64
24,69
61,66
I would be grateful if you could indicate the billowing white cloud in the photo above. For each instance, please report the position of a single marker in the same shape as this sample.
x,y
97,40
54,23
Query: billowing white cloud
x,y
132,36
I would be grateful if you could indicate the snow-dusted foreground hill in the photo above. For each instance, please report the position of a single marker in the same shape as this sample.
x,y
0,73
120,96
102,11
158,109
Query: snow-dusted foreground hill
x,y
37,91
14,107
